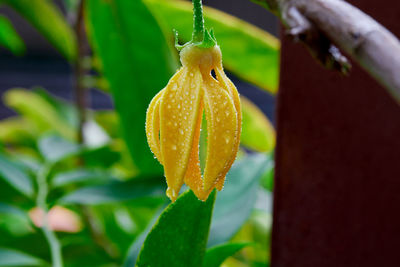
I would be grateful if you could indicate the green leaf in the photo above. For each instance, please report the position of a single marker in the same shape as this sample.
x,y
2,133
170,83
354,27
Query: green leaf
x,y
215,256
247,51
14,220
80,176
257,131
137,62
16,176
236,201
38,110
9,38
10,257
16,130
48,19
104,156
117,191
179,237
54,148
134,249
267,180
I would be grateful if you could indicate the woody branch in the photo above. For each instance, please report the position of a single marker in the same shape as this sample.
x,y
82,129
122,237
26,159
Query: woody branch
x,y
324,24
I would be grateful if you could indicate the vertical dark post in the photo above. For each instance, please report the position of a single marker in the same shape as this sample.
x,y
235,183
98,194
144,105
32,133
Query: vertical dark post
x,y
337,192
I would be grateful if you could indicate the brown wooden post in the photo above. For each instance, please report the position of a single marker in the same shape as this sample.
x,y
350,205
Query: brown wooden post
x,y
337,189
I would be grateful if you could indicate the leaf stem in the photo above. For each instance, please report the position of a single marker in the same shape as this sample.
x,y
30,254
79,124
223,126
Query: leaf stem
x,y
198,21
54,244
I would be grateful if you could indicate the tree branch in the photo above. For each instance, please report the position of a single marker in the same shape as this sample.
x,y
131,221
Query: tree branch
x,y
322,24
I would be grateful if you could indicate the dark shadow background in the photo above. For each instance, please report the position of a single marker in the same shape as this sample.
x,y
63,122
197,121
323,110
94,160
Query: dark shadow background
x,y
43,66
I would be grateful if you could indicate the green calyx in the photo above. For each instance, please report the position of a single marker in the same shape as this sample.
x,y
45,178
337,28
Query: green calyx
x,y
208,40
201,37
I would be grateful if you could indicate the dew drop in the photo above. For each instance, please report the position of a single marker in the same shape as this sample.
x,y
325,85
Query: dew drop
x,y
174,147
227,140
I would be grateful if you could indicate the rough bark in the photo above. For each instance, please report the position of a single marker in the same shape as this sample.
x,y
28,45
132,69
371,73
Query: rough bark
x,y
324,24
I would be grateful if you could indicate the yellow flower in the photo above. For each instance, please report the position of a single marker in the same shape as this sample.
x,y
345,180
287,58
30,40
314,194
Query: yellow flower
x,y
174,120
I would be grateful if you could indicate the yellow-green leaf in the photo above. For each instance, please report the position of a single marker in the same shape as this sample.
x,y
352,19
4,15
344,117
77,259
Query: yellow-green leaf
x,y
249,52
257,131
39,111
48,20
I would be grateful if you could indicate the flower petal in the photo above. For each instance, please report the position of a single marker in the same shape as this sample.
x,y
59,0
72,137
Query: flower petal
x,y
222,127
228,84
153,125
193,177
179,111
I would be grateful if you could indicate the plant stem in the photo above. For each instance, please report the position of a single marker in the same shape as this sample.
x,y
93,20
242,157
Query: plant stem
x,y
80,90
54,244
198,21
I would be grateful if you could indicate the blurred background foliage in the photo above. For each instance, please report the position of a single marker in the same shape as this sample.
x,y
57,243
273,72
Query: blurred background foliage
x,y
91,170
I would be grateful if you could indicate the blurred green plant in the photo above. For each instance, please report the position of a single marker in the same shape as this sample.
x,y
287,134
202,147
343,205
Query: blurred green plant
x,y
108,186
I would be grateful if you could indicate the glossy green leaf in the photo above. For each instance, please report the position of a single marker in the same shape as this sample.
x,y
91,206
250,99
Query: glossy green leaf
x,y
257,131
179,237
117,191
54,148
9,38
16,176
80,176
10,257
249,52
38,110
215,256
134,249
137,63
236,201
48,19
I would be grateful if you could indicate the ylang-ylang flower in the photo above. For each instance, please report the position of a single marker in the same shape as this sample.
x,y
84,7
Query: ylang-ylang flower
x,y
175,114
174,119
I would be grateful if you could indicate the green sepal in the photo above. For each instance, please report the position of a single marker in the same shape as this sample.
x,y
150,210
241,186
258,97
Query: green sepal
x,y
208,39
177,45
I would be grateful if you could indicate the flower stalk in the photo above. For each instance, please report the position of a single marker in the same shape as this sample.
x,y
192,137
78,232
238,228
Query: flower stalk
x,y
198,21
